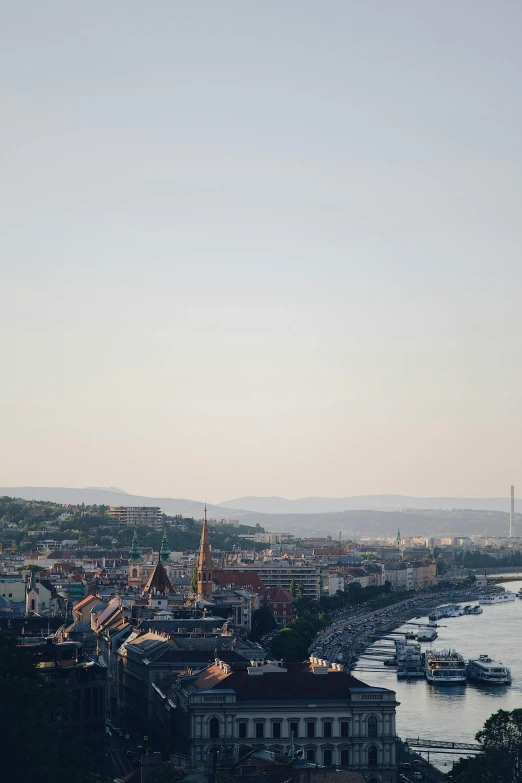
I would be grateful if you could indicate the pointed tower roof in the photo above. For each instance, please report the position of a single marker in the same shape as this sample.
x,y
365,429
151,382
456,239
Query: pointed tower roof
x,y
158,581
32,581
135,551
204,561
165,548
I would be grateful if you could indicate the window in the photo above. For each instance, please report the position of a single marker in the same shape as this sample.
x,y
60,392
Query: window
x,y
372,726
213,728
345,757
294,728
310,729
260,730
241,730
372,756
310,754
276,730
327,757
344,728
327,728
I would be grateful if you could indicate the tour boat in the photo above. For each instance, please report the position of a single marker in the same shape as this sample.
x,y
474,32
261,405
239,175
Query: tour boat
x,y
485,669
445,667
473,609
410,660
426,635
498,598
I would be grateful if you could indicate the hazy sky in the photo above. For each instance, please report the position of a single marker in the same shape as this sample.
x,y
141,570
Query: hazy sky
x,y
262,247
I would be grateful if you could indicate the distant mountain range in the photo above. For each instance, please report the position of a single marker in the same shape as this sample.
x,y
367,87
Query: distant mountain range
x,y
358,516
321,505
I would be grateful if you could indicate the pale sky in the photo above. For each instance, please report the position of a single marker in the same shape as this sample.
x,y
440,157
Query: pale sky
x,y
262,247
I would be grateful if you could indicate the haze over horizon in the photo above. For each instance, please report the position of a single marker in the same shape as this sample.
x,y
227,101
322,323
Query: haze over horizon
x,y
262,249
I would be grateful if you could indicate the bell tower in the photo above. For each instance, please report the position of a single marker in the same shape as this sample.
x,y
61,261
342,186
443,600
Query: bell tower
x,y
134,578
205,583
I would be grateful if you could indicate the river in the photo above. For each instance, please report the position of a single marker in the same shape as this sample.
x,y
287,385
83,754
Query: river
x,y
457,712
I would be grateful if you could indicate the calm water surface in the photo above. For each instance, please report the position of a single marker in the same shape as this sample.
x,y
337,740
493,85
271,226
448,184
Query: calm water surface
x,y
456,712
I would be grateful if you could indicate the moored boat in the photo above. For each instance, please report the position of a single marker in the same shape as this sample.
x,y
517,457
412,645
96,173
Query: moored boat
x,y
485,669
498,598
445,667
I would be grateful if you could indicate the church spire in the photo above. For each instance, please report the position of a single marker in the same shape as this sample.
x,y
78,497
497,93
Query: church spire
x,y
205,583
165,548
135,551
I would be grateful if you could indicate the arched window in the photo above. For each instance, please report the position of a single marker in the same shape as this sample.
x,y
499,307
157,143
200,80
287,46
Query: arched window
x,y
204,577
213,728
134,573
372,756
32,604
372,726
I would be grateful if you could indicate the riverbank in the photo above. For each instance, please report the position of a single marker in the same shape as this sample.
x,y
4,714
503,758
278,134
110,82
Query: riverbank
x,y
352,632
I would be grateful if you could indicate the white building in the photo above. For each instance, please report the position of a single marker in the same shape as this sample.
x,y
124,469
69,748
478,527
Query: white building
x,y
232,708
148,516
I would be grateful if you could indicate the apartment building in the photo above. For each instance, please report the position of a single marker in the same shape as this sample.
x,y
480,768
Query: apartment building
x,y
150,516
281,573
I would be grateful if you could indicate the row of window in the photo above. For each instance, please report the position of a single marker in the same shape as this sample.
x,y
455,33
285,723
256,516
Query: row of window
x,y
276,728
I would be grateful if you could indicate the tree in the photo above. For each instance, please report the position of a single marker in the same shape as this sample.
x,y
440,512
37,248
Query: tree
x,y
300,591
193,587
293,588
441,565
28,727
500,758
263,621
168,773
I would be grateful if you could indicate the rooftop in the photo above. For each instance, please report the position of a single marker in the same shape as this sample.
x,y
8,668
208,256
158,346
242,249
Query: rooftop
x,y
295,682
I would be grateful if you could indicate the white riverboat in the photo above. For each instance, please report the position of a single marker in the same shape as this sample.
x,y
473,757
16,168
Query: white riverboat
x,y
426,634
445,667
498,598
410,660
473,609
485,669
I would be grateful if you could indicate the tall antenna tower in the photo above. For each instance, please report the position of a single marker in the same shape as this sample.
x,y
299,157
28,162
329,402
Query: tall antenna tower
x,y
512,512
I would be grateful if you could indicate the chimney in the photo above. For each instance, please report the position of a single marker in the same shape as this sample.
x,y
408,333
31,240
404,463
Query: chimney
x,y
512,512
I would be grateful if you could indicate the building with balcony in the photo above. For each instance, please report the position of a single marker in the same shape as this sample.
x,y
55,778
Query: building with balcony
x,y
312,709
